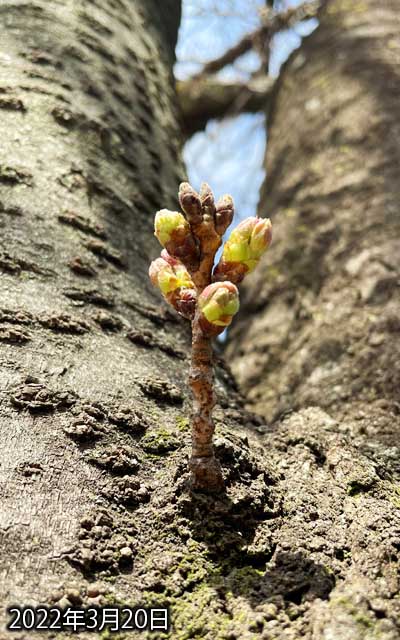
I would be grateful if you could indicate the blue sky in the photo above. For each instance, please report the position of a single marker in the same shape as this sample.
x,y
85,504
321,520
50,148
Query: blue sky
x,y
229,154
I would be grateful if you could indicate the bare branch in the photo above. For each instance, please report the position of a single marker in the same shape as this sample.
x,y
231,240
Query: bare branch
x,y
272,23
207,98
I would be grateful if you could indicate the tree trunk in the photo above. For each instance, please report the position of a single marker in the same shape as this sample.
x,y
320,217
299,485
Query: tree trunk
x,y
94,429
89,357
94,369
319,328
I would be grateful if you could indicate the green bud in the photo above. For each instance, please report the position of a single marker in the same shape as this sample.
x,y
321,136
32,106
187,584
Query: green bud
x,y
218,303
166,223
244,248
174,233
174,281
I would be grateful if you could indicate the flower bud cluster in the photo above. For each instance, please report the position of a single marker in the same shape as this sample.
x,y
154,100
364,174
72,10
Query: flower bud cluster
x,y
201,207
190,240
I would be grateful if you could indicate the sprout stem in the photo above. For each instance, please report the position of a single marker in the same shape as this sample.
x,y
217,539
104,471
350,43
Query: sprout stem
x,y
206,474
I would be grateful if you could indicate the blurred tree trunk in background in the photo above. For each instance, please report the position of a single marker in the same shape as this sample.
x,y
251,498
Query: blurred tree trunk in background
x,y
320,319
320,322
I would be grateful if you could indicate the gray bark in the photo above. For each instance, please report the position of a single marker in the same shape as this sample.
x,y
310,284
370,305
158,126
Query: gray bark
x,y
94,408
206,98
90,149
316,347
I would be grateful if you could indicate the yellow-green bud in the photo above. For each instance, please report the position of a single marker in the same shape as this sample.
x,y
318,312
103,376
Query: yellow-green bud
x,y
217,303
244,248
166,222
174,233
174,281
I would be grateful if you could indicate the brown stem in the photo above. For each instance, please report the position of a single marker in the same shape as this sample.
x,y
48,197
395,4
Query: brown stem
x,y
208,97
210,241
206,474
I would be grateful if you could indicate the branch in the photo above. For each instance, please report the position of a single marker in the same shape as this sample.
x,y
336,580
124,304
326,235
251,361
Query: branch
x,y
272,23
207,98
193,238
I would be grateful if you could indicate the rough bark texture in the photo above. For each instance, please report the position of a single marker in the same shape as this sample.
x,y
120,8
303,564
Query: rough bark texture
x,y
319,328
94,404
89,149
94,429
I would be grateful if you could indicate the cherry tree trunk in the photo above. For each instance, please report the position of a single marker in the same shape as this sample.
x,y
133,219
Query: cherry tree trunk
x,y
94,369
90,148
316,349
95,403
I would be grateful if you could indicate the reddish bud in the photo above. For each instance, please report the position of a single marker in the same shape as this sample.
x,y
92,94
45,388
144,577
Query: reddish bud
x,y
224,212
174,281
190,202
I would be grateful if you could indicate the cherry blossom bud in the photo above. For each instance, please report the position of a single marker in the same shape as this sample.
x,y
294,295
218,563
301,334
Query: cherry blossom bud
x,y
207,202
224,213
174,233
185,302
244,248
190,202
174,281
217,304
167,223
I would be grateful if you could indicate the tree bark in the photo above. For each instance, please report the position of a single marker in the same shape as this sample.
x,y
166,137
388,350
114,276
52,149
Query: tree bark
x,y
90,148
328,292
95,406
94,369
316,347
